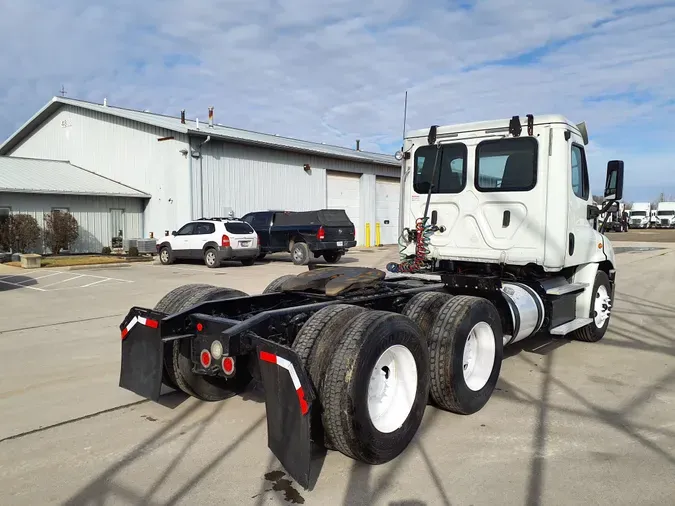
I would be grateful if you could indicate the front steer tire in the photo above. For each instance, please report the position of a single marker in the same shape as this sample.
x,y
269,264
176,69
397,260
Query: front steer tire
x,y
166,256
457,319
592,333
346,415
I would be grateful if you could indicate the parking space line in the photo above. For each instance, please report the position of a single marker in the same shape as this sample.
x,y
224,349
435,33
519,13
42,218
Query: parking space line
x,y
96,282
41,277
64,280
21,286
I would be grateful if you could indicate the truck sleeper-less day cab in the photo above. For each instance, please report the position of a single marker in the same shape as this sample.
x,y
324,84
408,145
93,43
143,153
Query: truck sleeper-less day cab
x,y
665,212
501,246
640,215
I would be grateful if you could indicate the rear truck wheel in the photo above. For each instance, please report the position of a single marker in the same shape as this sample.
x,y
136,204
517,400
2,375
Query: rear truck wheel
x,y
211,258
422,308
261,256
275,286
466,350
376,387
248,261
165,256
207,388
601,307
332,257
173,302
300,253
318,338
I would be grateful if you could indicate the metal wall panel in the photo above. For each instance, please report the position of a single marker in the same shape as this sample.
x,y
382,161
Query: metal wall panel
x,y
125,151
248,178
92,214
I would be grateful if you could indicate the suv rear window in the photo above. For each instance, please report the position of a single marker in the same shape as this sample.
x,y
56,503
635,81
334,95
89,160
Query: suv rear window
x,y
238,228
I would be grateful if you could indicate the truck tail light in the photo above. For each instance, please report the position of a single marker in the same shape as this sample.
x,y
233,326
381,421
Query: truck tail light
x,y
225,243
321,234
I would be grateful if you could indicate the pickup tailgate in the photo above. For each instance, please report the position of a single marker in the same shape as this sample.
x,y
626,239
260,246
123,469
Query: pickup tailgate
x,y
336,225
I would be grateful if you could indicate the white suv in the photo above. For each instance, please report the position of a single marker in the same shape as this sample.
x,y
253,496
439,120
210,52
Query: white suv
x,y
212,240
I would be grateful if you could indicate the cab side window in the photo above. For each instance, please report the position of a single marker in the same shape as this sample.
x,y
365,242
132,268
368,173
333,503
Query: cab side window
x,y
580,183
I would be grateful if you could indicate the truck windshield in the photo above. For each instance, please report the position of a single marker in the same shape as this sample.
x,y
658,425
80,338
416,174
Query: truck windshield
x,y
506,164
638,213
451,171
665,213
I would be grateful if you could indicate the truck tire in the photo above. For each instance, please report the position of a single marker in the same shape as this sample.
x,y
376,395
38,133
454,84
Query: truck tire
x,y
173,302
423,307
600,311
463,379
207,388
300,253
378,350
275,286
319,336
332,257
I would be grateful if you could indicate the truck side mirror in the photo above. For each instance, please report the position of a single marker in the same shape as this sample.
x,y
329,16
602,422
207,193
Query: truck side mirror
x,y
614,181
173,232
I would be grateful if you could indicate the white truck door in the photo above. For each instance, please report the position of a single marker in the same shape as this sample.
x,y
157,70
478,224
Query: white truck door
x,y
581,239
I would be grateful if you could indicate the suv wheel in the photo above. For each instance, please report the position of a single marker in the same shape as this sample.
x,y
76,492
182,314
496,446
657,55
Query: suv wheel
x,y
210,258
165,256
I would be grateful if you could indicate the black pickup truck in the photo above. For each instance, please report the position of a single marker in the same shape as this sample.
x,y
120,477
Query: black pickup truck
x,y
325,232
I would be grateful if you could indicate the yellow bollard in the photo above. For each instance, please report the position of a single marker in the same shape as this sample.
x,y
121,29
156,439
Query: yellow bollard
x,y
367,235
377,234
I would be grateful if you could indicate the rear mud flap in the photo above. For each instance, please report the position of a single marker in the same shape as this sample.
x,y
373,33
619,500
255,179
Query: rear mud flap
x,y
142,355
288,401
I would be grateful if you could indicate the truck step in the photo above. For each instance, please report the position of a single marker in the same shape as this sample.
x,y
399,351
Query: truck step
x,y
567,289
568,327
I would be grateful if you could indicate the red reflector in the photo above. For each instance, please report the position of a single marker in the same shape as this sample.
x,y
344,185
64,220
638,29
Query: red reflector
x,y
152,323
225,241
304,407
124,333
268,357
228,365
205,358
200,327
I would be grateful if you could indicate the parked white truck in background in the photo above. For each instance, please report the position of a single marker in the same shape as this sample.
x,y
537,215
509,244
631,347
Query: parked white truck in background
x,y
640,214
665,211
654,220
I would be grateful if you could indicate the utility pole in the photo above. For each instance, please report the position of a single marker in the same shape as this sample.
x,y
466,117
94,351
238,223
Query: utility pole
x,y
63,91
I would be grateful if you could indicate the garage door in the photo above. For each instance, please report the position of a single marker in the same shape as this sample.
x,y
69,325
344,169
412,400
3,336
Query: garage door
x,y
386,208
343,193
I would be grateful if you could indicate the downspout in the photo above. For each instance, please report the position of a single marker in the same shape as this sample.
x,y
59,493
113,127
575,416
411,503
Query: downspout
x,y
201,178
190,185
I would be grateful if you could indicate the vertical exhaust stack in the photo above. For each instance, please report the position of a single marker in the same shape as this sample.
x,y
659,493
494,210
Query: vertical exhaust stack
x,y
211,116
182,116
358,144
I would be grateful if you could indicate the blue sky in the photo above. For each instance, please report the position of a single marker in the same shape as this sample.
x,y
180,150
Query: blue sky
x,y
336,71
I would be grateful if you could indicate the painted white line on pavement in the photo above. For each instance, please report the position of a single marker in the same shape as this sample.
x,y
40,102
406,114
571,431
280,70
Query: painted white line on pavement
x,y
64,280
21,286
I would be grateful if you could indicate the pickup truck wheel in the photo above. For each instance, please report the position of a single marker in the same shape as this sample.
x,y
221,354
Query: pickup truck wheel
x,y
466,350
601,306
275,286
422,308
210,258
176,300
332,257
262,256
165,255
300,253
376,387
208,388
248,262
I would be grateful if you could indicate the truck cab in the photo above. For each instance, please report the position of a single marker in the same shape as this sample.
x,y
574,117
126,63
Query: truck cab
x,y
504,198
665,212
640,215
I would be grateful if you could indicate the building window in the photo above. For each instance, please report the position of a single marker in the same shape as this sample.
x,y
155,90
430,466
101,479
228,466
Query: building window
x,y
506,165
579,172
60,209
450,173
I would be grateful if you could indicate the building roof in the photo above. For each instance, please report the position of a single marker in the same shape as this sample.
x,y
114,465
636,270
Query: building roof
x,y
173,123
30,175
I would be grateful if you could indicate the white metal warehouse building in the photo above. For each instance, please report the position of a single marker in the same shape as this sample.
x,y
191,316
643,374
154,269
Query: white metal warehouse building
x,y
184,169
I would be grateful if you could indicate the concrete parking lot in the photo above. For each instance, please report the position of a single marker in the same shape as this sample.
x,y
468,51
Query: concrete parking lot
x,y
571,423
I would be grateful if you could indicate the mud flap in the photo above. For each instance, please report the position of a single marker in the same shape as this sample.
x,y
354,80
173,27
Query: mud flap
x,y
142,355
288,401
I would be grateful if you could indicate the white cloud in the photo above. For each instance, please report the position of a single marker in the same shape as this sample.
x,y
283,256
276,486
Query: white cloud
x,y
336,71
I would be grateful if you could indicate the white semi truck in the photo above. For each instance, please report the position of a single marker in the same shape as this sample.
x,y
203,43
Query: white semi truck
x,y
665,212
640,215
498,245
